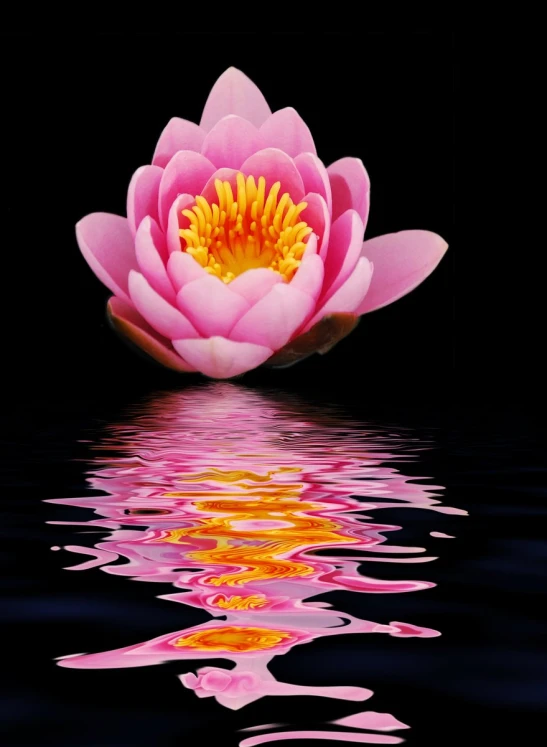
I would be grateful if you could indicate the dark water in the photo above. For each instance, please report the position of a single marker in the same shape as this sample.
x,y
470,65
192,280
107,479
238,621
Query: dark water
x,y
219,558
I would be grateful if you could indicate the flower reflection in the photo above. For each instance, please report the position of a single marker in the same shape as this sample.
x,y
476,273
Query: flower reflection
x,y
246,504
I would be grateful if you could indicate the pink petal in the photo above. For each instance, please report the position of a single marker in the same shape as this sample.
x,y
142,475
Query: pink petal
x,y
345,245
231,141
253,285
107,244
151,251
178,134
317,217
349,296
177,220
142,195
186,173
182,268
273,320
128,322
314,175
234,93
350,187
210,305
220,358
285,129
309,276
274,165
401,262
158,312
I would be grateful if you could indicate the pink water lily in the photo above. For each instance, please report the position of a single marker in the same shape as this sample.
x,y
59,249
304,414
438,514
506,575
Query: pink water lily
x,y
240,248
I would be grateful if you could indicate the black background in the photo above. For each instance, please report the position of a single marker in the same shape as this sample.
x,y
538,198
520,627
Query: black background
x,y
83,112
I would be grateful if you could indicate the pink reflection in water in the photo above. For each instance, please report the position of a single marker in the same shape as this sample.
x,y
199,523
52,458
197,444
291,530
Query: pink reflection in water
x,y
230,495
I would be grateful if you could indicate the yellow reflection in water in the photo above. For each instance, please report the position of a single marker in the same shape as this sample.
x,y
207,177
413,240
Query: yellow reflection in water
x,y
242,536
234,638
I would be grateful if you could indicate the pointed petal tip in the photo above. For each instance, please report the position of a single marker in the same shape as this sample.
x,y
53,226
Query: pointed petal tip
x,y
234,93
285,129
233,72
401,262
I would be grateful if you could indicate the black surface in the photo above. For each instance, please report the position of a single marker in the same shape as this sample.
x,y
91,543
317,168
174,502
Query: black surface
x,y
484,679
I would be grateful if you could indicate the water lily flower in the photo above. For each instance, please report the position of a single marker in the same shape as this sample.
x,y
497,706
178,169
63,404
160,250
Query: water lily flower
x,y
241,248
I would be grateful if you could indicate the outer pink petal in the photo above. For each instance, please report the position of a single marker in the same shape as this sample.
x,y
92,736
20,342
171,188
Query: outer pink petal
x,y
151,251
142,195
234,93
210,305
158,312
349,296
350,187
179,134
286,129
309,276
317,217
177,220
253,285
186,173
129,323
401,262
107,244
220,358
346,241
274,165
273,320
314,175
231,141
182,268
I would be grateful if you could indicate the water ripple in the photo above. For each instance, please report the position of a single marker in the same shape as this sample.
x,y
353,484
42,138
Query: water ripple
x,y
233,497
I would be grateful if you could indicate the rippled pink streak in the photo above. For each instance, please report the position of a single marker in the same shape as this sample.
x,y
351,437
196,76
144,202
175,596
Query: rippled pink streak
x,y
248,505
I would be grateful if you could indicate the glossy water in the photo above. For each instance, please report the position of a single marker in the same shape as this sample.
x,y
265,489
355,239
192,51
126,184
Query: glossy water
x,y
289,550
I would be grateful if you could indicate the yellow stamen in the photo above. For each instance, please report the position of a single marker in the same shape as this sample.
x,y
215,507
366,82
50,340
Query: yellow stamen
x,y
247,230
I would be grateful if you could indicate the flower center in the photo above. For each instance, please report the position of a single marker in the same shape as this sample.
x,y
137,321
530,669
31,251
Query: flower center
x,y
252,229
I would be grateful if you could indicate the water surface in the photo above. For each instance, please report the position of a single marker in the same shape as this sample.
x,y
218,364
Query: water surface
x,y
303,569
